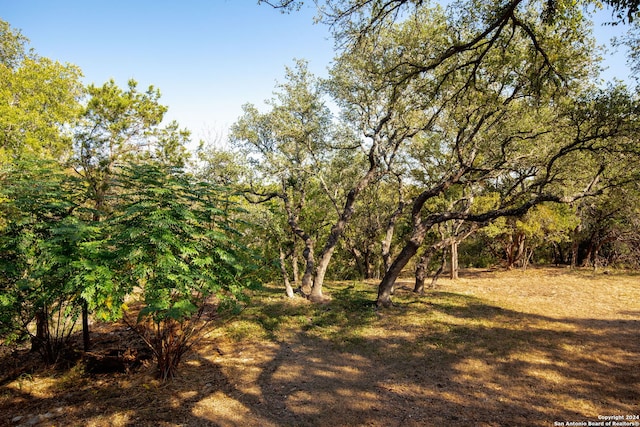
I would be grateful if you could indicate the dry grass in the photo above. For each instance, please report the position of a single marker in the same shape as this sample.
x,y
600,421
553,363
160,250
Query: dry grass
x,y
490,349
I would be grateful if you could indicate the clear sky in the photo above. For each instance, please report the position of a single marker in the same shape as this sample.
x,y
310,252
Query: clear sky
x,y
207,57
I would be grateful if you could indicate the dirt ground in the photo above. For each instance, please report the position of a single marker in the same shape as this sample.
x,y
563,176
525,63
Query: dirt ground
x,y
503,348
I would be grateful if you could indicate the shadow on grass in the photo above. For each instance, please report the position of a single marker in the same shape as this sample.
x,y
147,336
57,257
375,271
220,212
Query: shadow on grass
x,y
444,359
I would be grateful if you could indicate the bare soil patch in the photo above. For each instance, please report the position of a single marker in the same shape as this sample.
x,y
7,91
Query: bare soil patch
x,y
501,348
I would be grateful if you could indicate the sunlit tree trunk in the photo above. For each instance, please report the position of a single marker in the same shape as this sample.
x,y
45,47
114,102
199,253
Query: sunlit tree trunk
x,y
454,260
337,231
306,284
321,270
285,275
388,237
308,253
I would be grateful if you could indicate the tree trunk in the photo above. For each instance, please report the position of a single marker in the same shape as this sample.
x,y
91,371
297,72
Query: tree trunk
x,y
522,250
368,266
86,340
443,264
422,270
575,245
509,252
386,285
596,252
42,326
596,259
169,346
388,237
357,257
513,249
588,256
558,254
285,275
454,260
316,292
526,259
307,278
336,233
308,252
420,229
294,264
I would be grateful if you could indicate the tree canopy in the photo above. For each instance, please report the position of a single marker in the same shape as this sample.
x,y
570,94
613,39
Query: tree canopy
x,y
40,99
481,100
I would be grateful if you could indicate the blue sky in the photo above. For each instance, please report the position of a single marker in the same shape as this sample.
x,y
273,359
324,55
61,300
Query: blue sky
x,y
207,57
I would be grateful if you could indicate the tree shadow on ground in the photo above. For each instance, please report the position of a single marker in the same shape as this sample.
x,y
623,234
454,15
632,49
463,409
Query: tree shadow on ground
x,y
473,363
440,360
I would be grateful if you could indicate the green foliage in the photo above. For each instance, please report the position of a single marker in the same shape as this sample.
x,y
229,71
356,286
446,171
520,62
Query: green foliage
x,y
119,125
39,99
483,109
290,142
172,241
550,223
39,246
170,147
609,233
547,224
12,45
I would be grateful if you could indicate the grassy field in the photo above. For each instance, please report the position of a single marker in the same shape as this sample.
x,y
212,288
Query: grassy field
x,y
501,348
